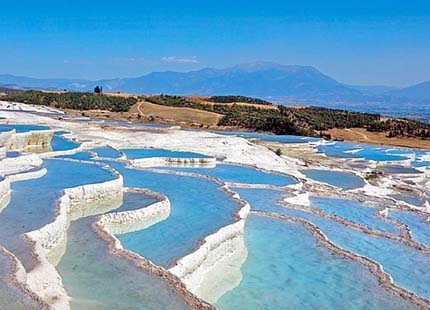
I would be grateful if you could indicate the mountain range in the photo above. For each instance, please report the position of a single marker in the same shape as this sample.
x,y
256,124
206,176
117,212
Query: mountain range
x,y
281,83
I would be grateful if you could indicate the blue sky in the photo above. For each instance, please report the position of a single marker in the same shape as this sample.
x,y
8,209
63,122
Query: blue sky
x,y
360,42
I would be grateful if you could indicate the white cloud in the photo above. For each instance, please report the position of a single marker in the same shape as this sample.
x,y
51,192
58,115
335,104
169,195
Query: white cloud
x,y
182,60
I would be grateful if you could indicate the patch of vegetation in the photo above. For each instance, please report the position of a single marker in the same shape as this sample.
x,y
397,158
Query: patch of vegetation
x,y
72,100
372,176
229,99
305,121
237,115
402,128
309,121
174,101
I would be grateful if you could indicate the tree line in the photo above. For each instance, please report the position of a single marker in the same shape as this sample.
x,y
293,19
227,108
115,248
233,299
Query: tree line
x,y
72,100
309,121
229,99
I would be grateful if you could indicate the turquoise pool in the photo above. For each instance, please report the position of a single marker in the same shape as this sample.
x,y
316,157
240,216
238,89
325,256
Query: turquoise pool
x,y
78,156
286,269
268,137
265,200
96,280
32,201
106,152
367,152
420,230
409,268
21,128
60,143
135,201
198,209
13,154
339,179
353,211
241,174
408,199
147,153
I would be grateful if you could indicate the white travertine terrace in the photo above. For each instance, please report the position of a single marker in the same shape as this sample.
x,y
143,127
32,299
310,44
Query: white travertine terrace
x,y
43,285
25,140
4,192
49,241
10,166
107,225
216,251
223,250
300,199
234,149
13,278
5,138
133,220
27,175
220,254
60,153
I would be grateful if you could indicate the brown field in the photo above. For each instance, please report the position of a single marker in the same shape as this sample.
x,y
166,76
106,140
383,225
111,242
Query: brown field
x,y
360,135
148,112
176,114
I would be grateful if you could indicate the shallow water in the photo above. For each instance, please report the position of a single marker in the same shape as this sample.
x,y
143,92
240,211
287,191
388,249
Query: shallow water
x,y
147,153
97,280
241,174
265,200
135,201
260,199
21,128
410,269
282,273
32,202
198,208
13,154
353,211
60,143
268,137
408,199
419,229
79,156
106,152
339,179
367,152
398,170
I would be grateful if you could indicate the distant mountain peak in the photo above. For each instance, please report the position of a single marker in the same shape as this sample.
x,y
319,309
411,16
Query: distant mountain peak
x,y
420,92
258,65
262,79
425,83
